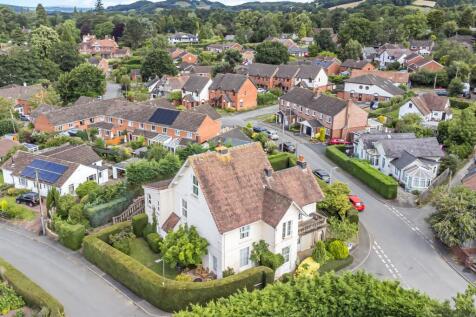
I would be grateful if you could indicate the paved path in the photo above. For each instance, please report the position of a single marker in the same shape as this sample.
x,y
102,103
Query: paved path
x,y
80,287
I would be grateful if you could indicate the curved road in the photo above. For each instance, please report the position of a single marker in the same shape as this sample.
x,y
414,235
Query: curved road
x,y
82,289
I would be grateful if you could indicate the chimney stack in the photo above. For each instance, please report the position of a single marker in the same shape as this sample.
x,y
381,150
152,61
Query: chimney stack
x,y
268,172
221,149
301,162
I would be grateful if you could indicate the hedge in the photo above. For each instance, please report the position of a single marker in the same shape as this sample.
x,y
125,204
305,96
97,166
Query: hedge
x,y
153,240
138,224
459,104
384,185
168,295
336,265
71,236
31,293
282,160
102,214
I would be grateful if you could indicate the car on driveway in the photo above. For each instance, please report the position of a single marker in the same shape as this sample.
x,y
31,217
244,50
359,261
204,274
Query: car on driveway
x,y
322,174
31,199
336,141
357,202
259,129
273,135
287,147
261,90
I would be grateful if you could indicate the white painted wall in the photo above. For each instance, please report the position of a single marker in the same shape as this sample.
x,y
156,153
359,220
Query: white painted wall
x,y
361,89
320,80
410,107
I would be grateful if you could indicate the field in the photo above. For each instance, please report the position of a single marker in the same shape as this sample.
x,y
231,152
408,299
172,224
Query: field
x,y
424,3
347,5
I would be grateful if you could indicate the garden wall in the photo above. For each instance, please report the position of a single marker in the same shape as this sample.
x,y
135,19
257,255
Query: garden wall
x,y
31,293
383,184
168,295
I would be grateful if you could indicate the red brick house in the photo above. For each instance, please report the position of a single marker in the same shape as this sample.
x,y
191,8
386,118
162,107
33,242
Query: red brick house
x,y
106,48
331,65
262,75
313,112
426,65
233,91
350,64
20,96
284,77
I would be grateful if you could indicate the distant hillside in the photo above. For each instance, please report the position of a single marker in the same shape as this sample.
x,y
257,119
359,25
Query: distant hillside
x,y
48,9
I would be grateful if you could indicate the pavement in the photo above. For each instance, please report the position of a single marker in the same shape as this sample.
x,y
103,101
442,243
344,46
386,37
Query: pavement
x,y
402,245
83,289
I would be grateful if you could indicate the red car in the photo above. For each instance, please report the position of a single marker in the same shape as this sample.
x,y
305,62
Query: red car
x,y
336,141
356,202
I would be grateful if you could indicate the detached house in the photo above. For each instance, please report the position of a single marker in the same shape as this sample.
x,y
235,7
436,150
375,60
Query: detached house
x,y
233,91
195,91
428,65
369,87
64,167
312,77
315,112
430,106
391,53
234,198
180,37
422,47
106,48
350,64
20,97
220,48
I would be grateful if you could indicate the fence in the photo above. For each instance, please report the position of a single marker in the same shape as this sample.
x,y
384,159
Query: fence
x,y
135,208
440,179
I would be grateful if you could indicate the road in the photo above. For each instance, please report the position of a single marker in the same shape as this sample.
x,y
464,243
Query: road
x,y
82,289
402,244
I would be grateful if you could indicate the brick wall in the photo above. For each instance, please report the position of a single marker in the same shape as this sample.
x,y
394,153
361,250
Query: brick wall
x,y
355,97
209,129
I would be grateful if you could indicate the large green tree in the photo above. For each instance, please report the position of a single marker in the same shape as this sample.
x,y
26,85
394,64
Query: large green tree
x,y
336,200
41,15
43,39
271,53
68,32
83,80
66,56
157,63
352,50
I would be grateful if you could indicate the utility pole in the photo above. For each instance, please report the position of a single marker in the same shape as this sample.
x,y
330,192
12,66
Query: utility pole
x,y
42,219
13,122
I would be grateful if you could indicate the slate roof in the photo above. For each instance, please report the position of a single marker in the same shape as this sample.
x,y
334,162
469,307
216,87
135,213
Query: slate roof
x,y
261,70
81,154
224,180
196,83
429,102
208,110
404,160
352,63
102,125
234,136
309,71
287,71
322,103
201,69
394,76
228,82
369,79
12,92
369,138
418,147
6,145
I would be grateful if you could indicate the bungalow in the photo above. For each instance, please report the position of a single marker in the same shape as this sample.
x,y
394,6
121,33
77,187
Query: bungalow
x,y
20,97
208,192
65,168
233,91
350,64
298,51
287,42
412,59
222,47
195,91
313,112
428,65
430,106
422,47
179,38
369,87
396,77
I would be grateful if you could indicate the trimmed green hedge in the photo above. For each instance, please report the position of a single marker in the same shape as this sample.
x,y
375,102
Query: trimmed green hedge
x,y
71,236
168,295
459,103
31,293
102,214
138,224
153,240
282,160
384,185
336,265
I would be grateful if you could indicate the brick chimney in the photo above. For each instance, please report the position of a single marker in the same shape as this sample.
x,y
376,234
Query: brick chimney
x,y
301,162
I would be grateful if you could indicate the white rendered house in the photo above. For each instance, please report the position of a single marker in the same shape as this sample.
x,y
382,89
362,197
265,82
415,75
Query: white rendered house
x,y
429,106
311,76
234,198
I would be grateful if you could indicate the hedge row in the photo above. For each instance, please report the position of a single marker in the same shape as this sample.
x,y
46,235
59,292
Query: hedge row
x,y
71,236
385,185
336,265
282,160
139,222
102,214
168,295
33,295
459,103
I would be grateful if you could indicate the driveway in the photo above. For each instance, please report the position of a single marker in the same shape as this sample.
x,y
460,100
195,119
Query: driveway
x,y
80,287
402,244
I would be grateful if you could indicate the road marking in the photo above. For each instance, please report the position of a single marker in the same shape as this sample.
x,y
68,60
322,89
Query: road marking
x,y
387,262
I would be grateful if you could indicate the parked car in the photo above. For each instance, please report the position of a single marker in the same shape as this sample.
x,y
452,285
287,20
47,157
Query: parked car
x,y
441,92
31,199
357,202
322,174
261,90
259,129
23,118
336,141
273,135
287,147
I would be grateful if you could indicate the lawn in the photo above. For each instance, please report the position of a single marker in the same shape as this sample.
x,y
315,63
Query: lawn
x,y
141,252
21,212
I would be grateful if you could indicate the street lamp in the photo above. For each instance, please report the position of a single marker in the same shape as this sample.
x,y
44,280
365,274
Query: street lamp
x,y
333,169
163,268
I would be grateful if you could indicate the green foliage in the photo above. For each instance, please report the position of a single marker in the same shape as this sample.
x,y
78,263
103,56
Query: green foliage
x,y
166,294
450,161
336,201
261,255
455,87
190,149
138,224
267,98
319,252
353,216
7,126
228,272
336,265
65,203
343,230
182,277
154,240
31,293
282,160
425,78
156,64
454,222
384,185
156,152
66,56
9,300
183,247
88,187
338,250
144,171
76,215
175,96
83,80
271,53
71,236
122,240
459,134
460,103
101,214
42,40
412,122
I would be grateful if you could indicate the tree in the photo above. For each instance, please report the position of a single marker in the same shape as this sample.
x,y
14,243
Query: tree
x,y
455,87
156,64
137,30
156,152
449,28
52,200
65,203
66,56
99,7
261,255
466,18
271,53
454,222
324,41
83,80
459,135
68,32
233,57
343,230
319,252
412,122
183,247
169,165
336,200
190,149
352,50
43,40
86,188
41,15
414,25
450,161
435,19
142,171
313,50
104,29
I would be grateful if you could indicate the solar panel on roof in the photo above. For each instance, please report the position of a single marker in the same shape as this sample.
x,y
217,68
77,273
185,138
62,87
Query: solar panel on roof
x,y
48,172
164,116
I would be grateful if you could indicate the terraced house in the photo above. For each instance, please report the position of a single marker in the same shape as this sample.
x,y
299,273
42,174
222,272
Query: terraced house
x,y
233,91
119,120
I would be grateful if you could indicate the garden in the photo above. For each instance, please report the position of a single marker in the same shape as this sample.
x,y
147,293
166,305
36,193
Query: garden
x,y
9,209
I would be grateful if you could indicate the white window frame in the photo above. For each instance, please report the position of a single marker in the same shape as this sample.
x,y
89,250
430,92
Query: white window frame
x,y
195,185
287,229
285,252
184,208
244,256
245,232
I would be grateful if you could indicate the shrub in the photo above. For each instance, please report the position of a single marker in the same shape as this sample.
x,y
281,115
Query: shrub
x,y
262,256
459,103
154,240
182,277
87,188
336,265
122,240
31,293
282,160
9,300
71,236
338,249
138,224
16,191
308,268
353,216
183,247
102,214
384,185
319,252
267,98
228,272
149,228
166,294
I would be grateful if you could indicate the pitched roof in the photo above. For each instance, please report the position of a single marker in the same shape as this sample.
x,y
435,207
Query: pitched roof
x,y
234,136
393,76
370,79
225,179
261,70
228,82
208,110
369,138
470,175
429,102
6,145
309,71
195,83
352,63
81,154
19,92
201,69
418,147
322,103
170,222
287,71
404,160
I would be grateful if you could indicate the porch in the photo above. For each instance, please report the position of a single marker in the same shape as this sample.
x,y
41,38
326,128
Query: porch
x,y
310,231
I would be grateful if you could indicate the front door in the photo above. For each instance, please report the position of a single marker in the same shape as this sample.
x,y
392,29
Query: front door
x,y
360,97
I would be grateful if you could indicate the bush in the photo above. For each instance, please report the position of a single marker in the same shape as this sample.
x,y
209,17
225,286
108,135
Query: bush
x,y
319,252
153,240
267,98
149,228
353,216
308,268
384,185
166,294
122,240
86,188
336,265
459,103
282,160
338,249
261,255
31,293
138,224
182,277
102,214
71,236
228,272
